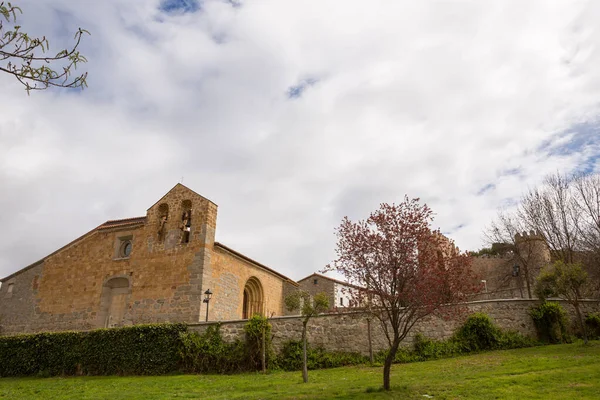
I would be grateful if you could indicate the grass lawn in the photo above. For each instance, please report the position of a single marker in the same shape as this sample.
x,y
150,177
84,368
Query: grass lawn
x,y
548,372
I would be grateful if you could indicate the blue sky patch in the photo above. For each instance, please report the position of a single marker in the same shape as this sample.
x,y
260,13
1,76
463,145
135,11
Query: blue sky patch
x,y
234,3
510,171
296,91
582,138
179,6
486,188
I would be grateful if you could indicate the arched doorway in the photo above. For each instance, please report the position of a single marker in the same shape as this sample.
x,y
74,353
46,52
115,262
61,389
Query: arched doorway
x,y
114,301
253,302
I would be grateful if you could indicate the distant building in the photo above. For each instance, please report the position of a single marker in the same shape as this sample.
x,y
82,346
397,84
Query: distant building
x,y
338,292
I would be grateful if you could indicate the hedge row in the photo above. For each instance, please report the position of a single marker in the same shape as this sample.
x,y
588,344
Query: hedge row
x,y
135,350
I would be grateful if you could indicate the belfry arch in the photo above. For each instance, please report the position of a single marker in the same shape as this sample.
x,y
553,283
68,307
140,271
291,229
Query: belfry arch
x,y
253,299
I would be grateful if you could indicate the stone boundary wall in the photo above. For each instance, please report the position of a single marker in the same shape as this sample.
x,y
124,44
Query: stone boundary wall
x,y
347,331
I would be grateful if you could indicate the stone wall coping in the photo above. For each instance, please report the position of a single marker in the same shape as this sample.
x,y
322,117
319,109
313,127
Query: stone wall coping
x,y
291,317
524,300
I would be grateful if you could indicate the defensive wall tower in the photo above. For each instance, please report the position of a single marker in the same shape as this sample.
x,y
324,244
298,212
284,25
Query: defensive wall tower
x,y
533,249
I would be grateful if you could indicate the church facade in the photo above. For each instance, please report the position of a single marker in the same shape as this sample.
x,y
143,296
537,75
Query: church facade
x,y
149,269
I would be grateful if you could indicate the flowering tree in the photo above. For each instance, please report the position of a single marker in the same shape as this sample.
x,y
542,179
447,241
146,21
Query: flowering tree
x,y
407,270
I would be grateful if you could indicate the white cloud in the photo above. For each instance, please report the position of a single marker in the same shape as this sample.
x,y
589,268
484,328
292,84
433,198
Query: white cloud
x,y
436,100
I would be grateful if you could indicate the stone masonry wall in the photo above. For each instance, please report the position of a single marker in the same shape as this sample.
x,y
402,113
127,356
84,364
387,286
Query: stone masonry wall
x,y
229,274
323,285
348,331
497,272
17,309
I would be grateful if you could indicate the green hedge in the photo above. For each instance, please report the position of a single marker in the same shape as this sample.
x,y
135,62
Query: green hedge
x,y
209,353
135,350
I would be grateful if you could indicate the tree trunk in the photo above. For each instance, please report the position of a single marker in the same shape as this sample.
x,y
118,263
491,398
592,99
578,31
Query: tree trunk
x,y
387,367
304,357
263,359
581,322
370,340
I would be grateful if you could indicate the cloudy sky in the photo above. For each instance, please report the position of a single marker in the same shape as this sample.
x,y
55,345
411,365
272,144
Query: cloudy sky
x,y
292,114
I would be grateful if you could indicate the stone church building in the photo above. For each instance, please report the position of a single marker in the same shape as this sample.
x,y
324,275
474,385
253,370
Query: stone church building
x,y
147,269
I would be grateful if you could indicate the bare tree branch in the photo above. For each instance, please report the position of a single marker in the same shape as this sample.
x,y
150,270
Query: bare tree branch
x,y
33,70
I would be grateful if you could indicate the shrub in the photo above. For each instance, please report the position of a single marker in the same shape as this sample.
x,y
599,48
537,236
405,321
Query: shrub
x,y
430,349
403,356
254,329
478,333
592,322
139,350
290,358
515,340
208,352
550,322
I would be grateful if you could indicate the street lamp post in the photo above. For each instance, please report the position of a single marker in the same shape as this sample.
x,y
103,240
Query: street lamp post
x,y
207,296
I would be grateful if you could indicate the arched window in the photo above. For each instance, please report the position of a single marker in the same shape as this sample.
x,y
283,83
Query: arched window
x,y
253,298
186,221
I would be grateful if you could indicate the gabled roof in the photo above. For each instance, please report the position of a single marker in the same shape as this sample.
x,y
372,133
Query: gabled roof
x,y
110,224
251,261
119,223
330,279
185,187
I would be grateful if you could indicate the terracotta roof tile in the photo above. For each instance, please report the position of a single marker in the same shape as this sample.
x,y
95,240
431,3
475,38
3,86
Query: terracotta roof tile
x,y
331,279
122,222
248,259
107,225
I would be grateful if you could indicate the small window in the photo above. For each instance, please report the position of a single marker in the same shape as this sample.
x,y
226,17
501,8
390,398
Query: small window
x,y
316,281
125,248
10,288
515,271
342,301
